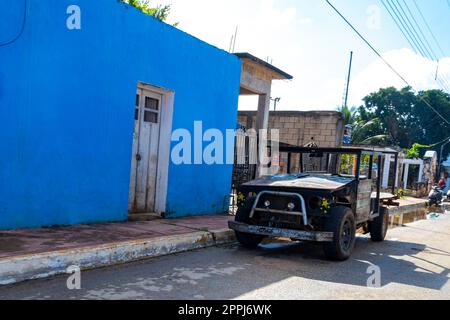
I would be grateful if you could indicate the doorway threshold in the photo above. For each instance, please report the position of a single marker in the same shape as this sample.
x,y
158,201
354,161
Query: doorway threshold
x,y
140,217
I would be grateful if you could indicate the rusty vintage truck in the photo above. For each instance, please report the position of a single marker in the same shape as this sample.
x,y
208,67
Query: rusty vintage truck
x,y
322,202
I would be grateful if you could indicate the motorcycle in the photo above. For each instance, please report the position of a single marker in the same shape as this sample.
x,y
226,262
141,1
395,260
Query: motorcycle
x,y
436,196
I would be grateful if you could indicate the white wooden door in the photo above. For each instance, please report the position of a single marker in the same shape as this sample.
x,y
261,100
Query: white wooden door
x,y
145,152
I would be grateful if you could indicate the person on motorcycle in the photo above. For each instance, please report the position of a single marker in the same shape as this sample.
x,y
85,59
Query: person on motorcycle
x,y
442,183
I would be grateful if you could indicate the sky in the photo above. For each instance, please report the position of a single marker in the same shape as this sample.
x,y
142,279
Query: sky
x,y
308,40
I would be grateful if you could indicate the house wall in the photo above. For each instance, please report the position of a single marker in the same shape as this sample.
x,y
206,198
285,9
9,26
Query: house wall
x,y
298,127
67,111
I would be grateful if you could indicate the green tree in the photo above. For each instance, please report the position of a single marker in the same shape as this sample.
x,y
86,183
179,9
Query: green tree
x,y
402,118
159,12
369,132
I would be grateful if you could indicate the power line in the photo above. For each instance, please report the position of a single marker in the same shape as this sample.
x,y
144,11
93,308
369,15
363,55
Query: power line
x,y
446,82
420,30
431,32
384,60
398,25
430,47
410,28
403,27
419,44
429,28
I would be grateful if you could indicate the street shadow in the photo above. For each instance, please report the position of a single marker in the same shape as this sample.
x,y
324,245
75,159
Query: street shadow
x,y
405,263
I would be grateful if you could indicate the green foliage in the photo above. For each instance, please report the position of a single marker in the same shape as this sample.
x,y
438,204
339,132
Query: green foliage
x,y
369,132
159,12
347,162
401,193
401,117
414,152
349,114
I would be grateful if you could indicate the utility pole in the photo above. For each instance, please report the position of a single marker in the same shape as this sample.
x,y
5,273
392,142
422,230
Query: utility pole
x,y
348,79
275,101
234,40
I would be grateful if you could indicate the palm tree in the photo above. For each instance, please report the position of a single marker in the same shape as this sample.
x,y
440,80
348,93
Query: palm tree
x,y
369,132
349,114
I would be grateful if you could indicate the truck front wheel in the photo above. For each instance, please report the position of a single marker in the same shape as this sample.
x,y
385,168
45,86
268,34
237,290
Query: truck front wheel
x,y
250,241
342,224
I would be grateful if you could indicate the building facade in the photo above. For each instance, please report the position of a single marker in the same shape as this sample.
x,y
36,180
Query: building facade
x,y
90,94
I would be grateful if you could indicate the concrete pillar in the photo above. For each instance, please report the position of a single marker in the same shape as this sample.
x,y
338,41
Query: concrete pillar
x,y
397,174
262,122
405,176
421,173
262,119
387,168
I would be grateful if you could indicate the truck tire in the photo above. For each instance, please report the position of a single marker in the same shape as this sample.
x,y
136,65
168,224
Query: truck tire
x,y
250,241
379,227
342,224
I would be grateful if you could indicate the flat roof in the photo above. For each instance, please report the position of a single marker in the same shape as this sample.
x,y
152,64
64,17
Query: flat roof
x,y
294,113
391,150
281,73
284,147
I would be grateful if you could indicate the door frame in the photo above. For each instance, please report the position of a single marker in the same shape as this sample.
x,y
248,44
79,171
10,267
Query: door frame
x,y
165,133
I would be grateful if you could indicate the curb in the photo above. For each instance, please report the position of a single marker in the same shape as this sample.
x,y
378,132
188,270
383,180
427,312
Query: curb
x,y
44,265
406,209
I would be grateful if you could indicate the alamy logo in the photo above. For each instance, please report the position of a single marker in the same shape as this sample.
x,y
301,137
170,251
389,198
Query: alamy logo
x,y
74,280
374,19
73,22
215,147
374,280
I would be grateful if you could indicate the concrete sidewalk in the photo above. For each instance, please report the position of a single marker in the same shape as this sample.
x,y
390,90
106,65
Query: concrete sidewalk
x,y
39,253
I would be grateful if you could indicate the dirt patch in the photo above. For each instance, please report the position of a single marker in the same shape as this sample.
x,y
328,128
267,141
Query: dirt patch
x,y
10,245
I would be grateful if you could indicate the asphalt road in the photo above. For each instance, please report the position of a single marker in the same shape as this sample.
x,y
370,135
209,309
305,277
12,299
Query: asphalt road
x,y
414,264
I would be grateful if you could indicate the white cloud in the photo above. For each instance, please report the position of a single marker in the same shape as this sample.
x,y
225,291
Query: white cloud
x,y
306,20
261,23
417,70
328,93
294,42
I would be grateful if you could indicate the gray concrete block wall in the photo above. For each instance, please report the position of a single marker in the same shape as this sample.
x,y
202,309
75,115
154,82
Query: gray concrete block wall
x,y
299,128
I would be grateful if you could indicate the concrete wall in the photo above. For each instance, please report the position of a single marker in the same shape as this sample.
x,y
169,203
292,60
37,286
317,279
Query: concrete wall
x,y
67,110
297,127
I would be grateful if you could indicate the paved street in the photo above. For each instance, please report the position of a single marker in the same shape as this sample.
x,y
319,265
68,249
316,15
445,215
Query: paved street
x,y
414,264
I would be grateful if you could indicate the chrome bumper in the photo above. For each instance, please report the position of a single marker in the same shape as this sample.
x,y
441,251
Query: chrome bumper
x,y
282,233
302,213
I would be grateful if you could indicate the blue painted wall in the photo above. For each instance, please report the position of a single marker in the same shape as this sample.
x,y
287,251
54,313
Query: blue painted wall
x,y
67,111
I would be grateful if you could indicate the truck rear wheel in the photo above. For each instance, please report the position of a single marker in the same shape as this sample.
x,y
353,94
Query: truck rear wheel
x,y
379,227
243,215
342,224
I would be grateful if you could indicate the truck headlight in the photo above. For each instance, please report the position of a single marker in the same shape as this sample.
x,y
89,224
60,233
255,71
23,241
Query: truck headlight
x,y
267,203
315,203
291,206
